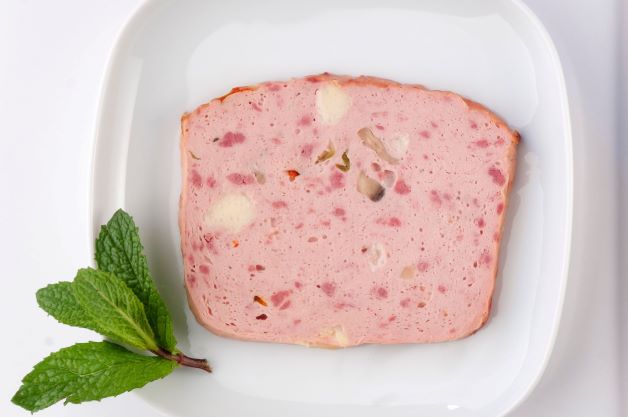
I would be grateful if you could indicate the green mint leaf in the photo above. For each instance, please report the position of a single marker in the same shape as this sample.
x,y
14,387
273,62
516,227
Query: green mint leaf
x,y
59,301
88,371
114,307
119,250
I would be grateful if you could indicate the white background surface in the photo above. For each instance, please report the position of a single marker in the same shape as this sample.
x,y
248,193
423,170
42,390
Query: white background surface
x,y
52,60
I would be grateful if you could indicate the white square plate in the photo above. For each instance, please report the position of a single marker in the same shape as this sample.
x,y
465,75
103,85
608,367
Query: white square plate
x,y
174,55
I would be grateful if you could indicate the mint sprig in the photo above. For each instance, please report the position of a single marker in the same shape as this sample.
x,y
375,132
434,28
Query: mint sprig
x,y
121,302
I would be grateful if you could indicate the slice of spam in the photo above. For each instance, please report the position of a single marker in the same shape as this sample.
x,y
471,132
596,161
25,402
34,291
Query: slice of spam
x,y
336,211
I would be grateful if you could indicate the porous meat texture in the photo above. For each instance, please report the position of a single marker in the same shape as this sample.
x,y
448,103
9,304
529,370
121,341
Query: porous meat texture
x,y
335,211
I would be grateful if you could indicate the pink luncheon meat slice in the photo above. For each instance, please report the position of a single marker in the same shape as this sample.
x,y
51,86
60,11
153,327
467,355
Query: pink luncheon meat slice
x,y
336,211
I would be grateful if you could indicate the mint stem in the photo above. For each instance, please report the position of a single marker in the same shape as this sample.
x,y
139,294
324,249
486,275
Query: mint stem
x,y
184,360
